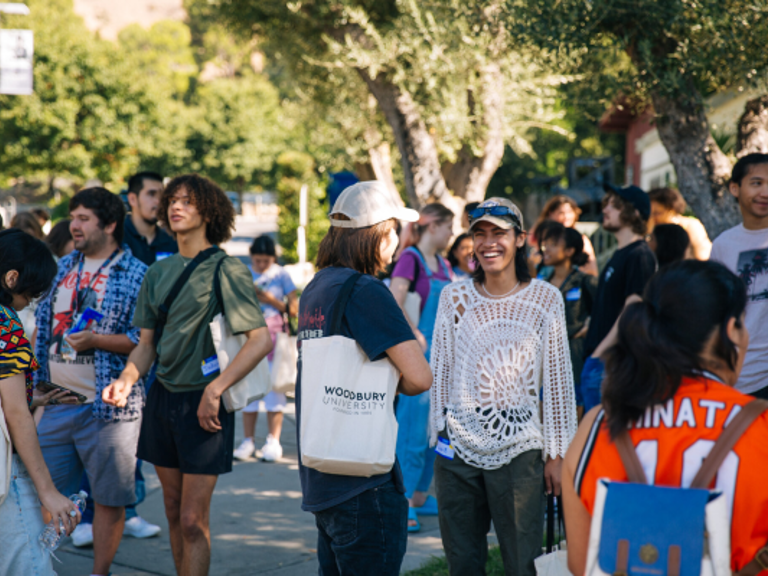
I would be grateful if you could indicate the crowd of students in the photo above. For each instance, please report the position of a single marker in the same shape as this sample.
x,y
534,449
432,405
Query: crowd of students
x,y
501,351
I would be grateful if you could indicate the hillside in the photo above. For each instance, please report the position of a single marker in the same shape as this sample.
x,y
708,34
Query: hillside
x,y
108,17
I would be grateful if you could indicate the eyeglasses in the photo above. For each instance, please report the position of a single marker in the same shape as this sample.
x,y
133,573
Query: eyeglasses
x,y
495,211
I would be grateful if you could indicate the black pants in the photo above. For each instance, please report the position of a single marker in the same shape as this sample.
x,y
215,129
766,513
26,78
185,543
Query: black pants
x,y
762,393
469,498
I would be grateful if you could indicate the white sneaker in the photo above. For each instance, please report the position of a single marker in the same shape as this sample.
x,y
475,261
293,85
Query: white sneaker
x,y
245,450
140,528
82,535
272,450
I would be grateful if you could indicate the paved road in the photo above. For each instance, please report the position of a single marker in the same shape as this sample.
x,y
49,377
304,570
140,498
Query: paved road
x,y
257,525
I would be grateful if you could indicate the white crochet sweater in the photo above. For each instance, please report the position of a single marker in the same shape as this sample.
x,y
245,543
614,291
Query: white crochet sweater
x,y
490,358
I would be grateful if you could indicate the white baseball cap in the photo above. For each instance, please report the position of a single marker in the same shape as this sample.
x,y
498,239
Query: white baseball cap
x,y
368,203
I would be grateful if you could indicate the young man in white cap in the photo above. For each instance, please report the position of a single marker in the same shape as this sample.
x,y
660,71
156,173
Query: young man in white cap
x,y
500,343
361,521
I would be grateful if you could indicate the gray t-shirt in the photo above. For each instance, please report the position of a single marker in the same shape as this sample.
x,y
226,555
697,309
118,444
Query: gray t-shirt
x,y
745,253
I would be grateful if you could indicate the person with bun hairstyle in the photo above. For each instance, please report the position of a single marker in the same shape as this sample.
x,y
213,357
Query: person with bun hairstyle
x,y
563,250
669,381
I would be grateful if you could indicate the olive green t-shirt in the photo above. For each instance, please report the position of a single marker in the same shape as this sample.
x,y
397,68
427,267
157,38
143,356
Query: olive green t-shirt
x,y
186,341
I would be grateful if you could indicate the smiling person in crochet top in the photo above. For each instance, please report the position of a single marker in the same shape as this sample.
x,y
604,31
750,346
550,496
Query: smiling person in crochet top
x,y
500,344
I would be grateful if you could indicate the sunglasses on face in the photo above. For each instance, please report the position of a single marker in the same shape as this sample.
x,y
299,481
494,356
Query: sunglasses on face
x,y
495,211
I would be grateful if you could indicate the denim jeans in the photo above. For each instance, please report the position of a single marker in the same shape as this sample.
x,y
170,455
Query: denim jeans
x,y
20,525
591,382
366,535
417,460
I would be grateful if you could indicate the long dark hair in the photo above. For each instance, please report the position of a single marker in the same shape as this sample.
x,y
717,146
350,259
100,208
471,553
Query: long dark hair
x,y
572,239
662,338
456,243
31,258
522,271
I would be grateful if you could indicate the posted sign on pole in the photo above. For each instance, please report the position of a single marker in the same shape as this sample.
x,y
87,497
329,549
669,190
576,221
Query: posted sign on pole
x,y
16,50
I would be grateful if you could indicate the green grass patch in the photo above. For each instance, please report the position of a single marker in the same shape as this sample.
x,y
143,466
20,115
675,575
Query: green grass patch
x,y
439,566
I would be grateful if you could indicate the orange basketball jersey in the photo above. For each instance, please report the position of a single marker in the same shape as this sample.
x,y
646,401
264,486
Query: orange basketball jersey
x,y
672,441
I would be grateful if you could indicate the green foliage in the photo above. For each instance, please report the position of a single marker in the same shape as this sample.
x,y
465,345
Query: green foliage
x,y
294,169
163,54
451,57
92,113
520,174
672,44
237,132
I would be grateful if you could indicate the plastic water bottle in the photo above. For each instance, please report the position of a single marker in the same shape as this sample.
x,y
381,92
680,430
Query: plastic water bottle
x,y
49,539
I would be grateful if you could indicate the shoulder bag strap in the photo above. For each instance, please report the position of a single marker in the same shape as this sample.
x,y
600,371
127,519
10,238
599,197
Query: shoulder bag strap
x,y
217,285
727,441
341,303
165,307
740,423
416,267
629,458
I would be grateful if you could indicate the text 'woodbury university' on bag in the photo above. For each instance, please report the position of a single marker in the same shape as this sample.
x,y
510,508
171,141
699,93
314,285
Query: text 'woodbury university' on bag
x,y
645,530
256,383
348,423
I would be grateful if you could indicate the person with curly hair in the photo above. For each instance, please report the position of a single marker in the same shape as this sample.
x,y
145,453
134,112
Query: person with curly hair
x,y
186,432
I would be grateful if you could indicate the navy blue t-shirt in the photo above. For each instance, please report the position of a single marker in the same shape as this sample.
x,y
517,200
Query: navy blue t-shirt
x,y
375,321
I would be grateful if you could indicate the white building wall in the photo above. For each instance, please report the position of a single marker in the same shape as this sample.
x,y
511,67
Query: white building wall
x,y
723,113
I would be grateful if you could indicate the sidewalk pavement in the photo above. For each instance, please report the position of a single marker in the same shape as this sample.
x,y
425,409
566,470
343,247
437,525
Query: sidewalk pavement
x,y
257,525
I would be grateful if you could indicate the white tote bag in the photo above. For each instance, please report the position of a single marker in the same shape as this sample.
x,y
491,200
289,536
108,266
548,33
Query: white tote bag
x,y
284,364
6,455
256,383
553,564
348,423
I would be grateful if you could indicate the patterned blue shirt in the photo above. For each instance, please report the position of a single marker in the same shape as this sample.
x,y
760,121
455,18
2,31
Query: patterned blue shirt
x,y
122,290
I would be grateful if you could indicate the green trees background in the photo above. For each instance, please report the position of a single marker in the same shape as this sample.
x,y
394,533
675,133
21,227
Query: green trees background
x,y
443,101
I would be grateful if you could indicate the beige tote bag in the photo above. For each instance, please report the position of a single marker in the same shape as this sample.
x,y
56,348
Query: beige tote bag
x,y
284,364
256,383
348,423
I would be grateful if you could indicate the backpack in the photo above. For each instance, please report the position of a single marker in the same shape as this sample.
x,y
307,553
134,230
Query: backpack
x,y
644,530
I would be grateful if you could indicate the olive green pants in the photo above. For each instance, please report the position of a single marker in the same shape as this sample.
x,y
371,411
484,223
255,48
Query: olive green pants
x,y
470,498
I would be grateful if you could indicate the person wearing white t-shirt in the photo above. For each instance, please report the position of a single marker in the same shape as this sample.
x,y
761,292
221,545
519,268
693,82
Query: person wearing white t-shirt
x,y
744,250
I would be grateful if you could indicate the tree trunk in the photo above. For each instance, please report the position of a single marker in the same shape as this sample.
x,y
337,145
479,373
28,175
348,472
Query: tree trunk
x,y
753,128
424,182
380,158
702,169
470,175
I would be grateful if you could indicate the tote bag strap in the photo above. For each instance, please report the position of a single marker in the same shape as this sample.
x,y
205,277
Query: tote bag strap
x,y
217,286
165,307
341,303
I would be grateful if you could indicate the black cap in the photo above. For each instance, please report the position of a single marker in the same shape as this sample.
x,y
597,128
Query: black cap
x,y
634,195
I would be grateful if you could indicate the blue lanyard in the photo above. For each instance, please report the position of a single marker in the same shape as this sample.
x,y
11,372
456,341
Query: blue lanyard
x,y
93,278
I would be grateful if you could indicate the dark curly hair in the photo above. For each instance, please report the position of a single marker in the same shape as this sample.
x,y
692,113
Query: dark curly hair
x,y
108,207
209,199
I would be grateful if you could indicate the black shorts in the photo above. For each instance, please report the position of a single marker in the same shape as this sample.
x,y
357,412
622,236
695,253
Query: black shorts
x,y
171,435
